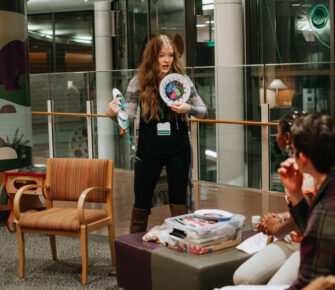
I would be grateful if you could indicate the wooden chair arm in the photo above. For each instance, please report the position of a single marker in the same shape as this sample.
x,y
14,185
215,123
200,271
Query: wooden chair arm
x,y
82,198
18,196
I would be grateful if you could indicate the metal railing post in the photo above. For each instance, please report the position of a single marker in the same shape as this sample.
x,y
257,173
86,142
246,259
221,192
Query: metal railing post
x,y
89,129
194,138
50,128
265,148
89,118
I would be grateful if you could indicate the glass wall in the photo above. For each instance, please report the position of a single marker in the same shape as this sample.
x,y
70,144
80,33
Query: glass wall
x,y
204,80
205,25
61,42
303,87
73,92
39,92
74,41
289,31
40,43
137,31
168,17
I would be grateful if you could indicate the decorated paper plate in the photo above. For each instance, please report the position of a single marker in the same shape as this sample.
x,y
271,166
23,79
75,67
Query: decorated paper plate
x,y
213,214
122,116
174,88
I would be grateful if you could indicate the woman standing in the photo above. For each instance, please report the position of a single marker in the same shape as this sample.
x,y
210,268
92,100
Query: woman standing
x,y
154,149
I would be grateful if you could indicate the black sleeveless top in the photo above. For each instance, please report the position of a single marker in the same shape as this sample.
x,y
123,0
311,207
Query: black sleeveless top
x,y
149,143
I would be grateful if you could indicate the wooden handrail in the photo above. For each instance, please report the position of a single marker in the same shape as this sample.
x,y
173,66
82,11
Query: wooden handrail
x,y
69,114
234,122
252,123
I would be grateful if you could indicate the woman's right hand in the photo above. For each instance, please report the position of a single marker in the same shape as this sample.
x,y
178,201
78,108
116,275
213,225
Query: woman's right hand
x,y
113,107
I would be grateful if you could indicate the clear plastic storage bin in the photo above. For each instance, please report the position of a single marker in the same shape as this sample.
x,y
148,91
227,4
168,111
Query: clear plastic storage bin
x,y
200,236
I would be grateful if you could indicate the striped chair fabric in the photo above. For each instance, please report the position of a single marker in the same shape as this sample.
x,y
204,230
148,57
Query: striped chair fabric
x,y
69,177
59,219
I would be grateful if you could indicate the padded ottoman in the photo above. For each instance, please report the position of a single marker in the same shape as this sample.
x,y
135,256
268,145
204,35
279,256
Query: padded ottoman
x,y
133,261
145,265
178,271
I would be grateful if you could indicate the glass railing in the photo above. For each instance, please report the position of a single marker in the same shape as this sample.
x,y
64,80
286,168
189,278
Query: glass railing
x,y
239,151
305,86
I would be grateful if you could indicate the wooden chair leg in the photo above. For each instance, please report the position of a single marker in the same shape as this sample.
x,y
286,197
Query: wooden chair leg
x,y
111,242
20,241
84,253
52,239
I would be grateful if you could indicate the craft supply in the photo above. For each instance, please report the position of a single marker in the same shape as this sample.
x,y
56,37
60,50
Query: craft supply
x,y
175,88
123,120
198,236
213,214
255,219
122,116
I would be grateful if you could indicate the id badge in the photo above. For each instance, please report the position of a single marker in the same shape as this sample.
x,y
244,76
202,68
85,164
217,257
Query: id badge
x,y
163,129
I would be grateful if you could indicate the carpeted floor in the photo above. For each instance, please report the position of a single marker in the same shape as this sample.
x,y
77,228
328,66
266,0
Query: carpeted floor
x,y
41,272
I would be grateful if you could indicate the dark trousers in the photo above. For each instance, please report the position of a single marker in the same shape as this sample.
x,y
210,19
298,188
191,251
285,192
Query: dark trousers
x,y
147,172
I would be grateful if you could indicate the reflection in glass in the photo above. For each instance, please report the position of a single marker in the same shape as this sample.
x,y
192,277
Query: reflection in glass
x,y
205,40
168,17
61,42
287,31
204,80
137,31
74,41
40,43
38,100
70,137
308,89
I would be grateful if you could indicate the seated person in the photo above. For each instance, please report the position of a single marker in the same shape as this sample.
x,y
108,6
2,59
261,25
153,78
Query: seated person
x,y
278,263
314,144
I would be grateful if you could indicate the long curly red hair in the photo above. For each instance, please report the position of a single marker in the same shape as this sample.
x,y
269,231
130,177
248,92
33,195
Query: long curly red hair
x,y
149,75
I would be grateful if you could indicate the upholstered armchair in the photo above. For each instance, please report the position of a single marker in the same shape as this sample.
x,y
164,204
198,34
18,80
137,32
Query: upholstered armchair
x,y
79,180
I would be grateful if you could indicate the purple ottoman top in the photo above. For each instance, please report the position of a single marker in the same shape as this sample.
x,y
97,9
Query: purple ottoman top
x,y
133,261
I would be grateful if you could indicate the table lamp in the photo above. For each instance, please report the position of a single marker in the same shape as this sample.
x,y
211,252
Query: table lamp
x,y
277,84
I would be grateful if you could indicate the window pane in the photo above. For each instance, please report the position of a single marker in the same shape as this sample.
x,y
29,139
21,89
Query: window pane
x,y
74,41
168,17
40,43
137,31
289,33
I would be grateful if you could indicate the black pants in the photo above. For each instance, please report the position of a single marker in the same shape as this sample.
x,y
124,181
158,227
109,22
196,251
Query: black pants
x,y
147,172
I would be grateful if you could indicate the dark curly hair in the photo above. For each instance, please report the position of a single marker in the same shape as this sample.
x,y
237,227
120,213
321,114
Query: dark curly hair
x,y
314,135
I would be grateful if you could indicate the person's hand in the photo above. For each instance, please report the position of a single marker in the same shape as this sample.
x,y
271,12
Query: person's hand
x,y
322,283
269,223
291,178
113,107
180,108
272,221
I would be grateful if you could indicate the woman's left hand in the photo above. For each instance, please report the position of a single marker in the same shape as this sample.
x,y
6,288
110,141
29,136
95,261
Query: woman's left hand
x,y
180,108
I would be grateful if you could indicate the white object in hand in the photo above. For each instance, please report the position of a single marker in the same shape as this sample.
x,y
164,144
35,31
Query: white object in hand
x,y
255,219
